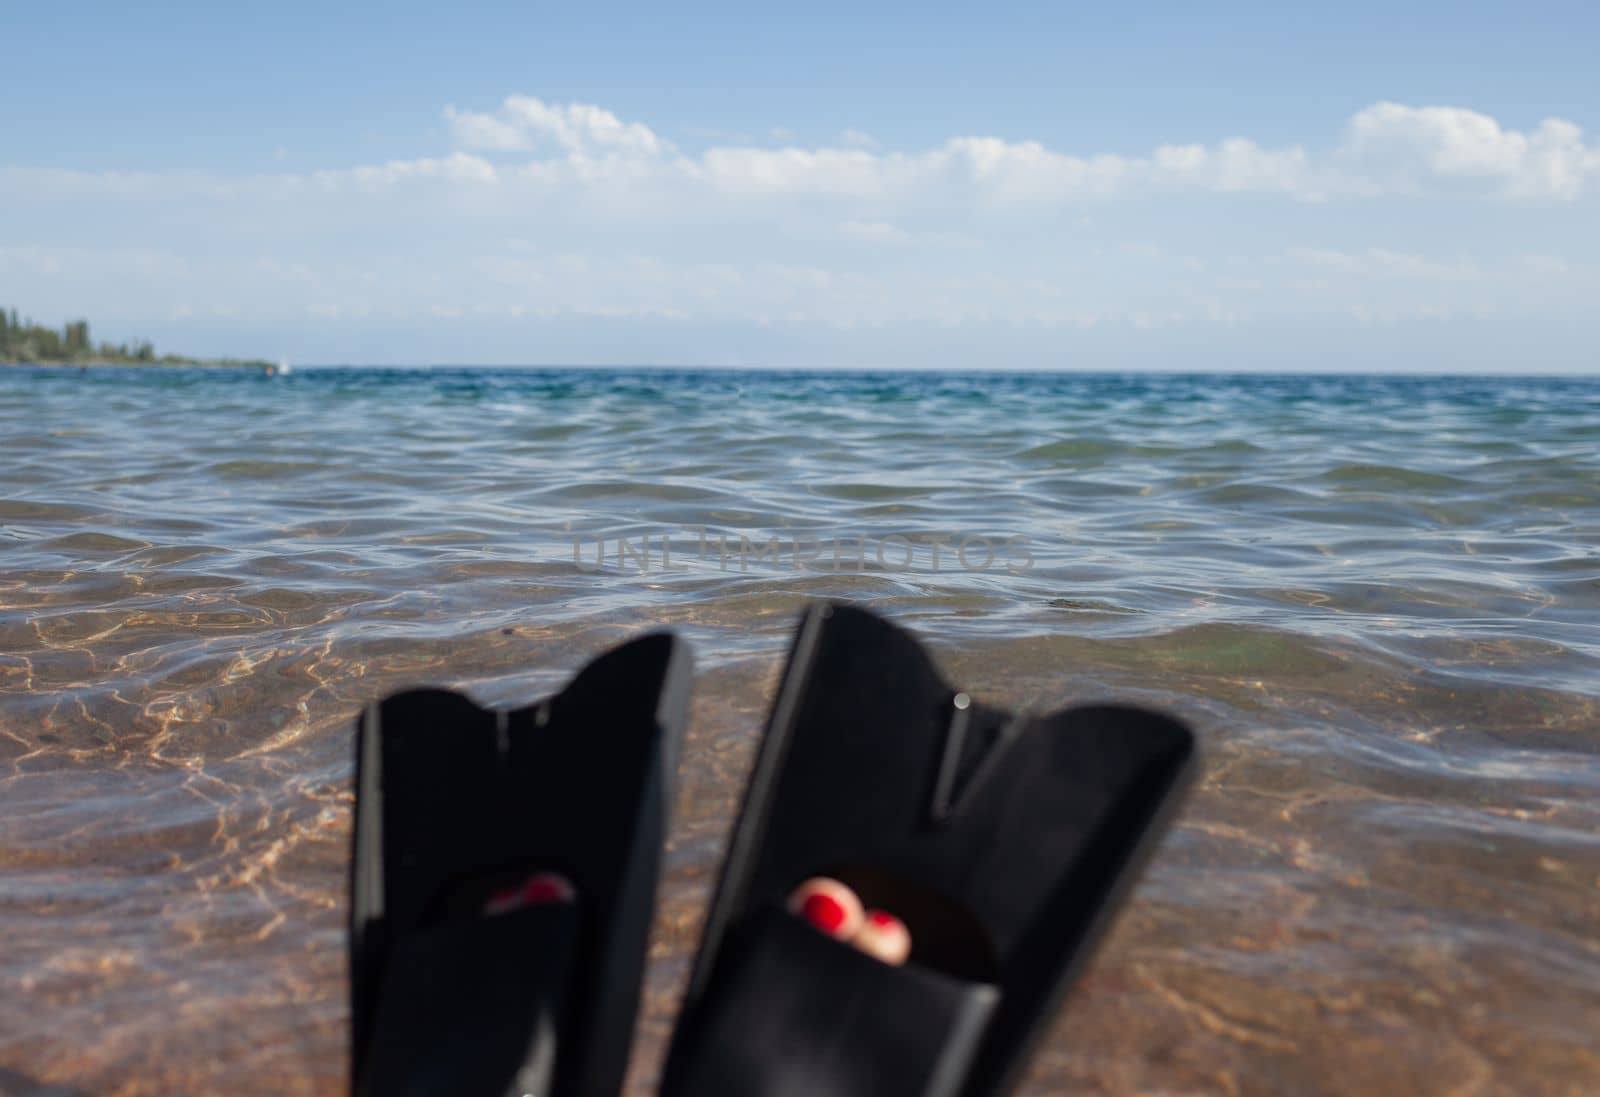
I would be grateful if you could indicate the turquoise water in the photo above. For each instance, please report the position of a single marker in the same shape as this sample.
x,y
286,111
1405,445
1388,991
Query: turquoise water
x,y
1378,599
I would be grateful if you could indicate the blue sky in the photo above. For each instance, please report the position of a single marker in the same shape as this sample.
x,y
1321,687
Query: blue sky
x,y
1374,186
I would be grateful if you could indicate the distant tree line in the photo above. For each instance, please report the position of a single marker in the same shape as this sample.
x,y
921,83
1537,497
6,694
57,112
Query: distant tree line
x,y
24,342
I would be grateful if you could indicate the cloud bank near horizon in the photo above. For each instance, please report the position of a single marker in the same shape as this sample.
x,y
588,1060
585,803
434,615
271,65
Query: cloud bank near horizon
x,y
538,211
1387,149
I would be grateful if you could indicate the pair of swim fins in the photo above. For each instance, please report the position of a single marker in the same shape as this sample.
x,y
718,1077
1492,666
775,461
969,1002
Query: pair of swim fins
x,y
1003,843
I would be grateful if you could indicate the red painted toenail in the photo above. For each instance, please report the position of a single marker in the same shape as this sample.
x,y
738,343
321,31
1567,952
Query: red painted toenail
x,y
537,890
825,912
883,919
546,889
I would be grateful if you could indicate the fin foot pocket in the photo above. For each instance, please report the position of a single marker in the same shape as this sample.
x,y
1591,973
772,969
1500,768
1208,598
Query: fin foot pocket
x,y
503,881
1003,843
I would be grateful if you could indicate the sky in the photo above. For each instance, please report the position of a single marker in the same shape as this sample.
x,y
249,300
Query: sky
x,y
1369,186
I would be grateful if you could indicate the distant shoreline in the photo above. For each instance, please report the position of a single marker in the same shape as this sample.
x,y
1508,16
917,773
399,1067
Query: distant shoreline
x,y
25,343
222,363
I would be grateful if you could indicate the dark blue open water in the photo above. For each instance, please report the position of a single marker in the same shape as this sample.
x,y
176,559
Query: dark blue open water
x,y
1378,599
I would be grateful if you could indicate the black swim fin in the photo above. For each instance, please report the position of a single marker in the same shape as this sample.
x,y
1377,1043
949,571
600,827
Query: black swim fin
x,y
456,990
1002,842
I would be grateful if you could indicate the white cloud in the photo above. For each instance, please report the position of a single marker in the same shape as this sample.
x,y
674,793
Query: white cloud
x,y
1238,165
999,172
475,130
1418,146
837,172
525,122
1388,150
1027,171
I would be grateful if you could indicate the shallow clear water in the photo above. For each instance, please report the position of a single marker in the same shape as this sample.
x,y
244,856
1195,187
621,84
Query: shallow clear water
x,y
1377,599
